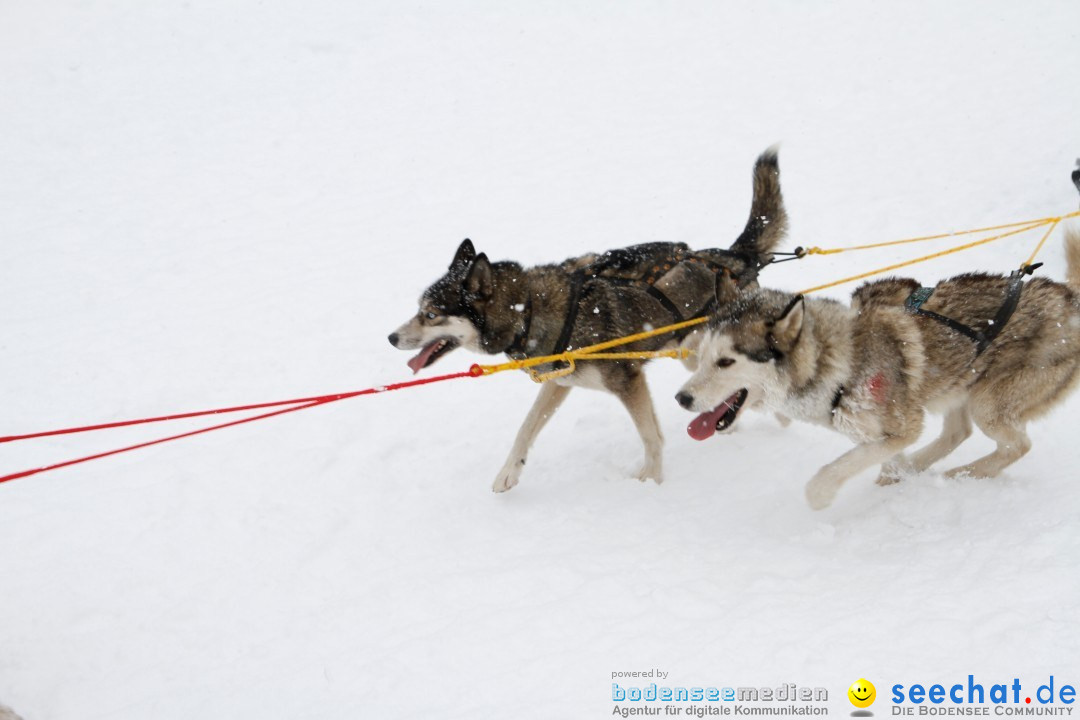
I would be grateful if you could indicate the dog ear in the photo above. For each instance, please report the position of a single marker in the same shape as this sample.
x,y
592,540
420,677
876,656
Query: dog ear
x,y
464,255
480,281
786,329
726,289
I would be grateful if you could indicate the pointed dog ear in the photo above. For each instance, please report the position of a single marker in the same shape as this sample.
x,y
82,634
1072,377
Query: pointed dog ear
x,y
726,289
480,281
786,329
464,255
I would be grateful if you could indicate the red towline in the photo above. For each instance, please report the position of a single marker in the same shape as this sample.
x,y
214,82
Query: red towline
x,y
293,406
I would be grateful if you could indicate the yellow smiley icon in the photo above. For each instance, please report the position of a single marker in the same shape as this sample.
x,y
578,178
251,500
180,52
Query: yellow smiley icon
x,y
862,693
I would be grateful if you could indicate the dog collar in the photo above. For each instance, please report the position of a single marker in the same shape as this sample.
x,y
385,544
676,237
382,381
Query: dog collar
x,y
837,398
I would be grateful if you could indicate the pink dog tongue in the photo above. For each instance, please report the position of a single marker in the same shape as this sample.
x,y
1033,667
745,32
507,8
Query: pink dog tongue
x,y
417,363
703,426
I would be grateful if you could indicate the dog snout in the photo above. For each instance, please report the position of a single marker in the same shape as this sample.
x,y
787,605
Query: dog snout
x,y
393,339
685,399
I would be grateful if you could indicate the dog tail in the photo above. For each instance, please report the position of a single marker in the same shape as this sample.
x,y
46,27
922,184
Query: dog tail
x,y
768,221
1072,255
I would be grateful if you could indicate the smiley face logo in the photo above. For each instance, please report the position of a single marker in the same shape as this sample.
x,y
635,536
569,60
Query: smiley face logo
x,y
862,693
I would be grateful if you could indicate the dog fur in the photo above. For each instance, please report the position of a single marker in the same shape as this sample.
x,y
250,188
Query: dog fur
x,y
870,370
503,307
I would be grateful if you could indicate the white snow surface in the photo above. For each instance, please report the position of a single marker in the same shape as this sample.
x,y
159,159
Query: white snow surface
x,y
215,203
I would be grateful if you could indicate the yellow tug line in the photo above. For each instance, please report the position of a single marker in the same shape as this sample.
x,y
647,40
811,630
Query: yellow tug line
x,y
595,352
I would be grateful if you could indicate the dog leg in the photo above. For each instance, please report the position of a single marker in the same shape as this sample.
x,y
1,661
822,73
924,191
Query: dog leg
x,y
638,402
1012,444
955,430
547,402
822,488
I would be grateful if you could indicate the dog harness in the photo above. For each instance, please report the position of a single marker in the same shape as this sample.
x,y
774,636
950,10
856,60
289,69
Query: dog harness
x,y
612,261
981,338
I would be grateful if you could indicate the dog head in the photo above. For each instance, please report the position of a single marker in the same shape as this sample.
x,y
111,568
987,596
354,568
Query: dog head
x,y
741,355
453,312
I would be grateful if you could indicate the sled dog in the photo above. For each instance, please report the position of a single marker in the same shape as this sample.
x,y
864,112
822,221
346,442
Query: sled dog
x,y
504,308
994,350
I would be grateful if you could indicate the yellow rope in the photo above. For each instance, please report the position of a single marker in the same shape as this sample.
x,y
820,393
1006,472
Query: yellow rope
x,y
833,251
1042,242
595,352
592,352
924,258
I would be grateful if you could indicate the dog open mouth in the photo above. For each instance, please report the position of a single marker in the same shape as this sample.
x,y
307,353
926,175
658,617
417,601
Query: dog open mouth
x,y
432,352
720,418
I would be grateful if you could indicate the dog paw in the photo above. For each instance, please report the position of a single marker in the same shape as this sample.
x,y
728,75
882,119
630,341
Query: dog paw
x,y
651,472
964,471
820,493
890,476
507,477
895,470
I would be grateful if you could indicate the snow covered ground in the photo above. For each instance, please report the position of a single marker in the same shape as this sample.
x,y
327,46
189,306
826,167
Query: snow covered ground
x,y
213,203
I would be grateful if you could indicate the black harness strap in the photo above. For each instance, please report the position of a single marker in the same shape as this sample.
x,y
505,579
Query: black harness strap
x,y
669,305
576,281
706,309
652,290
981,338
914,305
715,267
521,340
664,300
1012,299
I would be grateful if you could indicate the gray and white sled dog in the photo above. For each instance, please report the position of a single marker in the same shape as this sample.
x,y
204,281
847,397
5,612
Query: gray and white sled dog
x,y
502,307
991,349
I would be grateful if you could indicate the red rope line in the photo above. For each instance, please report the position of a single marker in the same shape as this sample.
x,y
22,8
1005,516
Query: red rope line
x,y
162,418
472,371
298,404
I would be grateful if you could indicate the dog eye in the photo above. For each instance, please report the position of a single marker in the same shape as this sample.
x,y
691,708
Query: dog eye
x,y
725,362
432,315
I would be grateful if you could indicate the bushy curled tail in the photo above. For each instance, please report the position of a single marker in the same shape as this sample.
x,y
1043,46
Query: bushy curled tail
x,y
768,221
1072,255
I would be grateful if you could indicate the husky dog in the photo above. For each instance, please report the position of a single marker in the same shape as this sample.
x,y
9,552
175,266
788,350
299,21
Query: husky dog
x,y
985,348
503,307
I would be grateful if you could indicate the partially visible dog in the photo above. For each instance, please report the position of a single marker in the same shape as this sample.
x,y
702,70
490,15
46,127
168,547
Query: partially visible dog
x,y
7,713
526,312
985,348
